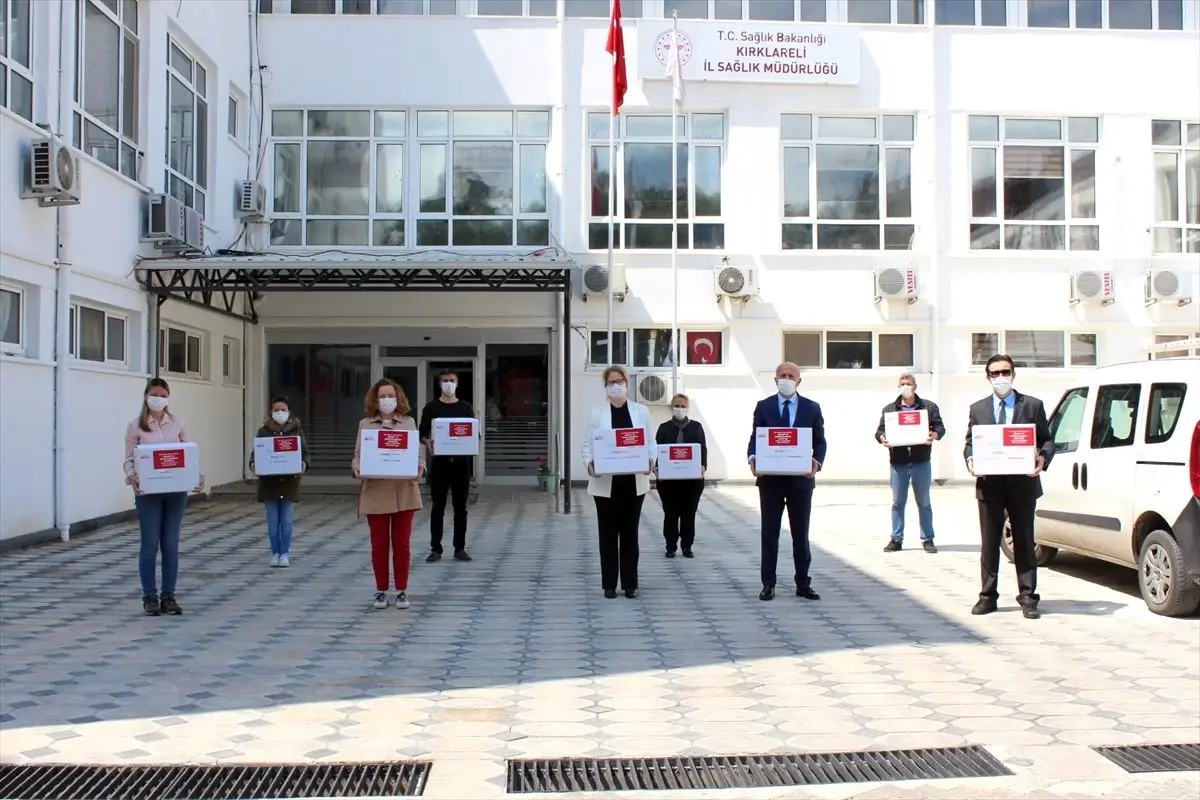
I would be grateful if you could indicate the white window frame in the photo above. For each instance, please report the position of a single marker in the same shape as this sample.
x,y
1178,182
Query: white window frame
x,y
231,361
842,8
73,326
1165,337
905,224
127,158
473,7
233,111
16,348
164,340
13,68
1022,19
824,334
632,12
1002,346
681,343
1009,9
1069,221
201,140
1189,232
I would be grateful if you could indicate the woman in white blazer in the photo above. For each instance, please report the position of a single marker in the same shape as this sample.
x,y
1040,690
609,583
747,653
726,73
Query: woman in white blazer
x,y
619,497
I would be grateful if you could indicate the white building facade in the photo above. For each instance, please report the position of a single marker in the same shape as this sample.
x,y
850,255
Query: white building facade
x,y
886,186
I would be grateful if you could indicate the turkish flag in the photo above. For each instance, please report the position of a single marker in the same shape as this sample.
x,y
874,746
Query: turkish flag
x,y
703,347
616,49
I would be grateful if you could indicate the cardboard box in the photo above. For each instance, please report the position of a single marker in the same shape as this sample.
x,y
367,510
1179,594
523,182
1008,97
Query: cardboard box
x,y
388,453
1003,449
164,468
679,462
906,428
455,436
277,455
620,451
783,451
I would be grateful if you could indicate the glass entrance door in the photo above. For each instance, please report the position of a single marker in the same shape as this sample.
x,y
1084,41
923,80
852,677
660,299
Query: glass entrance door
x,y
409,374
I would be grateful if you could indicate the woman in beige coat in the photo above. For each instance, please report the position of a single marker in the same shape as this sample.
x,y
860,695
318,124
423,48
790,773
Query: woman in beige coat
x,y
389,504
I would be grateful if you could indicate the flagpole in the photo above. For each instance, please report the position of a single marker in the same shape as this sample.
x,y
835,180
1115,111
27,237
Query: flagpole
x,y
675,210
612,201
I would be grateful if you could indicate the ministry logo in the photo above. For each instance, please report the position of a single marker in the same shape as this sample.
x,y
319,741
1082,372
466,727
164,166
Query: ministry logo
x,y
662,47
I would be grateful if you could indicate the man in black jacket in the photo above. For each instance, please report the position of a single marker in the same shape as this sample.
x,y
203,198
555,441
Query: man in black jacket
x,y
911,464
448,475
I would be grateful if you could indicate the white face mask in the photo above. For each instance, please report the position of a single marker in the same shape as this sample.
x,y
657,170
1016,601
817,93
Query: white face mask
x,y
615,390
906,392
449,388
787,386
1002,386
280,417
156,403
679,413
387,404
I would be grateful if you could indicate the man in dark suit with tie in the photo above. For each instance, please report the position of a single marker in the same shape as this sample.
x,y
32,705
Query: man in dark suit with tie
x,y
787,409
1011,496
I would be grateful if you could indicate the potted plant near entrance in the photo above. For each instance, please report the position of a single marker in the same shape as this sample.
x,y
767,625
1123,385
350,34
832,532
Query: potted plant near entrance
x,y
545,475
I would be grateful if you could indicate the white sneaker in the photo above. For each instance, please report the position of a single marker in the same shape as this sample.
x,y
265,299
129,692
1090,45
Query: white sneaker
x,y
284,560
381,600
401,599
274,560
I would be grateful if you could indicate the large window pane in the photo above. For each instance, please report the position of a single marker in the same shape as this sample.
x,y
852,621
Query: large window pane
x,y
1170,15
483,179
533,179
287,179
814,11
648,180
1083,184
483,123
1033,183
338,178
339,123
708,181
848,181
1035,348
899,182
802,349
92,334
993,13
772,10
848,350
983,182
324,232
130,85
954,12
180,153
114,339
1192,183
1130,15
101,67
600,201
796,168
1049,13
499,8
389,178
433,179
19,32
868,11
686,9
405,7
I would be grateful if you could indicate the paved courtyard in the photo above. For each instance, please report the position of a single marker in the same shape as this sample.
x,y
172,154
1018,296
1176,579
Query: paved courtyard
x,y
518,654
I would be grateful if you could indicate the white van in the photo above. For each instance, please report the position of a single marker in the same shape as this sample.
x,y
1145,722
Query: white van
x,y
1125,484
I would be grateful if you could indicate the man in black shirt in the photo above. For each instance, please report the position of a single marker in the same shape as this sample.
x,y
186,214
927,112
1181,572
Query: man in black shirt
x,y
447,474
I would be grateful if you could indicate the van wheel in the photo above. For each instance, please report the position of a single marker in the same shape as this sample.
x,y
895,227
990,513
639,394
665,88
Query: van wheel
x,y
1163,577
1042,554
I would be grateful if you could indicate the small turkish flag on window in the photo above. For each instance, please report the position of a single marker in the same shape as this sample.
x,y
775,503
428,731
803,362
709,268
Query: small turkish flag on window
x,y
703,347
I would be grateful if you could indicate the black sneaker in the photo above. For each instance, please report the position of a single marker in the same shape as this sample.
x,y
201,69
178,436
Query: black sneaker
x,y
609,594
151,606
169,606
461,555
432,557
893,546
688,554
928,545
670,554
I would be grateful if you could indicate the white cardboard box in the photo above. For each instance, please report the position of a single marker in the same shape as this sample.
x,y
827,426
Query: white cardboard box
x,y
679,462
620,451
906,428
278,455
783,451
388,453
163,468
456,436
1003,449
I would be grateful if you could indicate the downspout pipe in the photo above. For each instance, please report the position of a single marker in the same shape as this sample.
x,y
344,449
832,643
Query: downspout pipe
x,y
62,300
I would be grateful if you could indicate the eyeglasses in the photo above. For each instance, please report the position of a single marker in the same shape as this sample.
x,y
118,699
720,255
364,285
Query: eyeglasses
x,y
1000,373
615,383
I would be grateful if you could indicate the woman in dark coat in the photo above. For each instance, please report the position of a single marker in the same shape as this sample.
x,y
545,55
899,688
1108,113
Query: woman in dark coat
x,y
279,493
680,498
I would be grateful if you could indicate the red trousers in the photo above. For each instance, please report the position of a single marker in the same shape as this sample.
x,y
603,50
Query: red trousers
x,y
391,532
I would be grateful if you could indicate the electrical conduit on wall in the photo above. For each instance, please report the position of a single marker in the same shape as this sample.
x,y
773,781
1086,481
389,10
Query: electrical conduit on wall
x,y
62,295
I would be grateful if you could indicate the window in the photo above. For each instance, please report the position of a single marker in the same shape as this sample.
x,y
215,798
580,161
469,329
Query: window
x,y
1067,422
1162,411
1115,417
97,335
1037,349
231,362
754,10
11,319
179,351
884,11
850,179
703,348
642,206
652,348
516,8
1128,15
480,178
598,347
600,9
989,13
1176,186
187,128
105,125
16,57
1034,187
848,349
235,113
418,7
1167,338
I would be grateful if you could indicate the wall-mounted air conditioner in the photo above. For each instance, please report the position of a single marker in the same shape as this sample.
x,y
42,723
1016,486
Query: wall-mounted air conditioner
x,y
896,283
193,229
737,283
164,222
250,201
1168,285
1093,286
652,388
52,174
594,281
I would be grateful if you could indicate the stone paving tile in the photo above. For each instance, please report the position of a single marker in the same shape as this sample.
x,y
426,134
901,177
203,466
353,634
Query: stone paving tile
x,y
517,654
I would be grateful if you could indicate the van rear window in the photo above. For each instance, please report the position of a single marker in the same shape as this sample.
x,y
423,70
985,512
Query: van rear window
x,y
1162,412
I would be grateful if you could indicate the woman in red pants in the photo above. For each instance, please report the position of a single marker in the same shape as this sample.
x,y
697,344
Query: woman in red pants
x,y
389,504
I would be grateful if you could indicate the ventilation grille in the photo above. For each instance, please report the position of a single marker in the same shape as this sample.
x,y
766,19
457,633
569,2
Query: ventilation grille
x,y
595,279
892,282
731,280
651,389
1140,758
1089,284
1165,283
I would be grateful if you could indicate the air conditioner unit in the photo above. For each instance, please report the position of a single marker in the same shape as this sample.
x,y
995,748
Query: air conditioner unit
x,y
740,283
193,229
1169,285
164,222
595,281
52,177
1092,286
250,200
652,388
896,283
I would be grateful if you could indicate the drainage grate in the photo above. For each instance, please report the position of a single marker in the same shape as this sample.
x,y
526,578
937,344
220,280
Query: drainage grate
x,y
749,772
1153,757
212,782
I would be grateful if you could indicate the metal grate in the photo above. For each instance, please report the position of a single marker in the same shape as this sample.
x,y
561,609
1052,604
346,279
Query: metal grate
x,y
749,772
212,782
1140,758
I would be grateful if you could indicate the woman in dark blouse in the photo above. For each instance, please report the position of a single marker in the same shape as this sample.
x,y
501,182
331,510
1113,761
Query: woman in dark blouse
x,y
680,498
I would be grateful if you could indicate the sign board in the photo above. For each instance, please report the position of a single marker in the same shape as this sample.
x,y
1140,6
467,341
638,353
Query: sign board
x,y
783,451
455,436
906,428
620,451
164,468
277,455
679,462
1003,449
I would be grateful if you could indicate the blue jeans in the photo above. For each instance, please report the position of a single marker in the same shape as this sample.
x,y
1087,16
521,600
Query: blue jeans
x,y
160,517
921,478
280,515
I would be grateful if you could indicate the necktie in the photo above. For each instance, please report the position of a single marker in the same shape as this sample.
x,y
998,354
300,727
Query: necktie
x,y
787,413
1002,414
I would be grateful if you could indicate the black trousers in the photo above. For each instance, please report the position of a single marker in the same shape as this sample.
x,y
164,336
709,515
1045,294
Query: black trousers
x,y
617,518
775,493
449,475
680,500
1011,496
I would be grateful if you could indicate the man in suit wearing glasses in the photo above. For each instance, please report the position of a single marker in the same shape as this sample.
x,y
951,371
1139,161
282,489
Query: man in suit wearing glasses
x,y
787,409
1008,496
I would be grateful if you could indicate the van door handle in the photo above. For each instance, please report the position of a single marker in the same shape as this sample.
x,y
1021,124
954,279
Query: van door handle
x,y
1083,477
1075,475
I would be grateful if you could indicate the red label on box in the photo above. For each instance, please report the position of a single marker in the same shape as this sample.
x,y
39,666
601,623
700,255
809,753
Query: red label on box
x,y
680,454
287,444
169,459
393,440
1018,437
461,430
631,437
909,418
782,437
